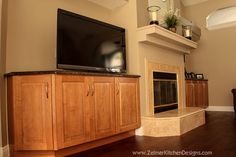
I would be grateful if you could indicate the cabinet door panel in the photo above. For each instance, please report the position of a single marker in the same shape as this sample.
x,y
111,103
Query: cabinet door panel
x,y
33,122
190,96
205,94
196,93
104,106
127,103
201,94
72,110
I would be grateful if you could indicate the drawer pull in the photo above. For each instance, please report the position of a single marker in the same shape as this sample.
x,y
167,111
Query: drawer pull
x,y
118,90
88,90
93,90
46,90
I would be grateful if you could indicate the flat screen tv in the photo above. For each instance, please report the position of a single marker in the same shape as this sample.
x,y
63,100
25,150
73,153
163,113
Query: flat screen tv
x,y
88,44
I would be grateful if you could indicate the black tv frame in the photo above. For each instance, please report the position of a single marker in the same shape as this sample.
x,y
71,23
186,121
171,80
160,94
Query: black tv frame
x,y
88,68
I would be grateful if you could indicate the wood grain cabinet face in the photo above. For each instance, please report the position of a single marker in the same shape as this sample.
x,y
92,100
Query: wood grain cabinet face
x,y
190,96
55,111
73,123
196,93
33,113
127,103
104,116
204,94
85,108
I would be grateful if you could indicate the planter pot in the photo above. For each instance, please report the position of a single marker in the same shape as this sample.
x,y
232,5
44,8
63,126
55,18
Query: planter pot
x,y
173,29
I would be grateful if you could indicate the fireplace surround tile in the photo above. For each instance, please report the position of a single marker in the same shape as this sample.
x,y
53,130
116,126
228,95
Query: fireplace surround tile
x,y
163,68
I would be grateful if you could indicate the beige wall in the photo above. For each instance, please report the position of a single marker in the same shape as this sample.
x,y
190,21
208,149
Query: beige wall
x,y
2,71
215,56
31,35
142,13
31,41
31,32
126,17
2,65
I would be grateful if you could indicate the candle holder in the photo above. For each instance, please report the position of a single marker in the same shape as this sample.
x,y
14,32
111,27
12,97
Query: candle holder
x,y
187,31
153,14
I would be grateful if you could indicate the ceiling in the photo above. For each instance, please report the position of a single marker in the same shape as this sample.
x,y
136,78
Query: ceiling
x,y
110,4
192,2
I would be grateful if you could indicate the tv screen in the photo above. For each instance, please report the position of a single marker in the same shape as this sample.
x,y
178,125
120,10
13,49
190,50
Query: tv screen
x,y
87,44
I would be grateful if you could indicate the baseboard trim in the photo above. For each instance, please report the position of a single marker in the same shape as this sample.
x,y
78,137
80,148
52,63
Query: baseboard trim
x,y
139,131
221,108
4,151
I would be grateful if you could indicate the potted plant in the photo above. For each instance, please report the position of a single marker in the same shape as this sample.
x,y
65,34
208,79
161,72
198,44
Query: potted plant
x,y
171,21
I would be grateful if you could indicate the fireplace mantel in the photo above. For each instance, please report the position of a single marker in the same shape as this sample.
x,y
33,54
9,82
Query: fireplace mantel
x,y
161,37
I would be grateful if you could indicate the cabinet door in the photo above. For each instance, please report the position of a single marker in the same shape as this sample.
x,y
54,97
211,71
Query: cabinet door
x,y
190,96
102,95
32,112
127,103
197,93
73,117
205,93
200,94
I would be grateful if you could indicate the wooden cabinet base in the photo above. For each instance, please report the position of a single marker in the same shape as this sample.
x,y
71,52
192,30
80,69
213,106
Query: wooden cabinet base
x,y
196,93
58,115
74,149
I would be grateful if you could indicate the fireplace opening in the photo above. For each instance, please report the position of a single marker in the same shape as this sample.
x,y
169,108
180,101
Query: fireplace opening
x,y
165,91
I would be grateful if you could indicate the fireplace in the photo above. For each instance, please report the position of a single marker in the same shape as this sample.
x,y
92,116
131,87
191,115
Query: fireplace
x,y
165,87
157,48
165,91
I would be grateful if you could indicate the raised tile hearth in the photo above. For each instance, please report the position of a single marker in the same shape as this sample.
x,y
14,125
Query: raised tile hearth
x,y
173,122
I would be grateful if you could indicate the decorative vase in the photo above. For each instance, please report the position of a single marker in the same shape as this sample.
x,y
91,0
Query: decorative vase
x,y
187,31
153,14
172,29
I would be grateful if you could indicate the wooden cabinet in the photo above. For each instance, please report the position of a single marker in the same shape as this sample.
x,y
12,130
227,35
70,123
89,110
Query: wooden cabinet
x,y
190,96
102,101
205,96
54,112
127,103
72,110
32,112
85,109
196,93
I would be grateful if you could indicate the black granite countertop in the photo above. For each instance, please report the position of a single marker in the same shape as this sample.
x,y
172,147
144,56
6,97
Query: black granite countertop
x,y
197,79
70,72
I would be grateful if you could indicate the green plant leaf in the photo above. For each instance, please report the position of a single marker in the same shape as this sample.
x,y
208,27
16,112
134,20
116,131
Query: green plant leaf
x,y
171,20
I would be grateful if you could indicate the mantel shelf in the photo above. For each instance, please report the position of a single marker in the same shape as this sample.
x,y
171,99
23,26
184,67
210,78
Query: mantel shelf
x,y
161,37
